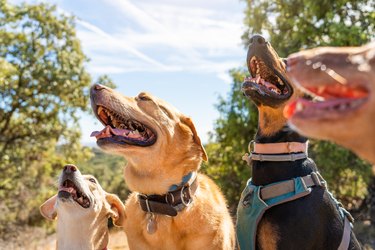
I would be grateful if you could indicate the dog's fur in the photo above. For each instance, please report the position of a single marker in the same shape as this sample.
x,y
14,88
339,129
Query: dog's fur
x,y
79,227
152,169
311,222
353,67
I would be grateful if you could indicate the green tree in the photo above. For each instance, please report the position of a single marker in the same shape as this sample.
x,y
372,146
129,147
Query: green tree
x,y
290,26
294,24
109,170
106,80
234,129
43,83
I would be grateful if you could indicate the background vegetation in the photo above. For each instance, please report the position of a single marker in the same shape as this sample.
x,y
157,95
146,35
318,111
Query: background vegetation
x,y
44,84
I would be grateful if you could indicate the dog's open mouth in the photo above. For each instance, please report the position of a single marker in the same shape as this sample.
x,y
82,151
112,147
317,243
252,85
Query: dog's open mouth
x,y
121,130
333,101
69,190
264,81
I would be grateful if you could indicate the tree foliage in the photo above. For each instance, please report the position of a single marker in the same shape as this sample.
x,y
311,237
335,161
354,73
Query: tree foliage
x,y
290,26
43,83
294,24
109,170
233,131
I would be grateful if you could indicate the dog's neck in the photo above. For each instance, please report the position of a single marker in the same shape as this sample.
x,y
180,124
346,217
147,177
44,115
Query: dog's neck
x,y
266,172
157,180
81,232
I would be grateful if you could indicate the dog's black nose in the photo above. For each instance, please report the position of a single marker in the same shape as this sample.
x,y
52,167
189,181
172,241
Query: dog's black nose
x,y
68,169
257,40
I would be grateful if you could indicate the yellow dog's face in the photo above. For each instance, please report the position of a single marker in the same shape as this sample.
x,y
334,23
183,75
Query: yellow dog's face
x,y
146,130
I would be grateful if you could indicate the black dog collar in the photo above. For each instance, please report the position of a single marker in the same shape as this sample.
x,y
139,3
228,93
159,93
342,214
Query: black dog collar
x,y
172,202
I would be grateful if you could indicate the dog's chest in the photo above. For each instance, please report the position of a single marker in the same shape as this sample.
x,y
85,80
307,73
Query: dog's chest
x,y
167,235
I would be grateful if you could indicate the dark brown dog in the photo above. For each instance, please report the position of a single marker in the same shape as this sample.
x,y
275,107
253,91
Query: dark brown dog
x,y
310,222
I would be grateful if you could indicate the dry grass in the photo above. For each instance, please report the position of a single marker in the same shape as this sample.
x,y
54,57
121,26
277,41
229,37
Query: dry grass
x,y
32,238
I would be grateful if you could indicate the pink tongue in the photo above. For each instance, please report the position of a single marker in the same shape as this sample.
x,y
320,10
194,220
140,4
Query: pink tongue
x,y
67,189
95,133
269,85
102,134
108,131
263,82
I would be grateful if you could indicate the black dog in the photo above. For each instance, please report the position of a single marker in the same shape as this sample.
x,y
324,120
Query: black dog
x,y
298,212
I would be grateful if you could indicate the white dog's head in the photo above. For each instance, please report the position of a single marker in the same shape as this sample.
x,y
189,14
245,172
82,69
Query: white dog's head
x,y
81,205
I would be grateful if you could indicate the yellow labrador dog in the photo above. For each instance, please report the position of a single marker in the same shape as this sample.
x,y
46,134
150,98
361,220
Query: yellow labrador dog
x,y
82,209
171,207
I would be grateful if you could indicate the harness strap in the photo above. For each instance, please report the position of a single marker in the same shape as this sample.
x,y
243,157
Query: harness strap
x,y
345,241
269,157
255,200
278,189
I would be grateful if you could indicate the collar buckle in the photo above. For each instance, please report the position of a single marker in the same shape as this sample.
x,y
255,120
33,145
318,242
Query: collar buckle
x,y
167,196
185,195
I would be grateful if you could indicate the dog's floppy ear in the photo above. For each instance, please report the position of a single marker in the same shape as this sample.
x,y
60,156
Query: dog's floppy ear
x,y
117,210
48,210
188,122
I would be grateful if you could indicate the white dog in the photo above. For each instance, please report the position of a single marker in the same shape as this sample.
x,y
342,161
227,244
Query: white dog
x,y
82,209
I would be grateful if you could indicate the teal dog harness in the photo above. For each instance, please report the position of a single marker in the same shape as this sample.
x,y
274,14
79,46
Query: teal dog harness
x,y
255,200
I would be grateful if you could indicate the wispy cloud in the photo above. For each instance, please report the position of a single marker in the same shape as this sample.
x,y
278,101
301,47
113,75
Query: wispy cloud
x,y
107,41
164,37
186,41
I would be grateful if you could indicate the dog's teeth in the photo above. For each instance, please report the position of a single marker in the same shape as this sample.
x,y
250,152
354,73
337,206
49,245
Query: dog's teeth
x,y
275,91
257,78
355,103
321,89
299,106
100,108
280,81
342,107
135,132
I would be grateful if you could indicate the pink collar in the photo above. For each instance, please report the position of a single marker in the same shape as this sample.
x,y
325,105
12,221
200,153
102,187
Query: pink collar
x,y
278,148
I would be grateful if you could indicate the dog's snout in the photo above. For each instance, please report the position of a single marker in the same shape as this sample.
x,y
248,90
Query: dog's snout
x,y
68,169
98,87
257,40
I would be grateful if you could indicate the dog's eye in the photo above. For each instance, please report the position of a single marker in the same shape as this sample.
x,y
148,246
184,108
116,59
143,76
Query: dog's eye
x,y
92,180
144,98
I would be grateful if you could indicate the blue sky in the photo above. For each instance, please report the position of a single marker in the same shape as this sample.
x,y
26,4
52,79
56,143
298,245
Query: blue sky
x,y
180,51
